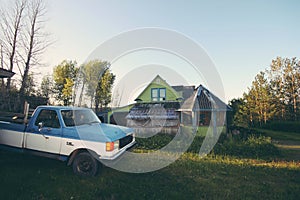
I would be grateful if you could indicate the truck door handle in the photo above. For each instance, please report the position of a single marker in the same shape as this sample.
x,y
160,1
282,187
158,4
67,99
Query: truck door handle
x,y
46,137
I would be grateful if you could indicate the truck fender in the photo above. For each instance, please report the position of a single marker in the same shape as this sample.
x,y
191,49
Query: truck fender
x,y
77,151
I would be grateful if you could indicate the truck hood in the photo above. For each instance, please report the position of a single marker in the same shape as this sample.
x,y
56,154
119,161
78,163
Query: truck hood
x,y
98,132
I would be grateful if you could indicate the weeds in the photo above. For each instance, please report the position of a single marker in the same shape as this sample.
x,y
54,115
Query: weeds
x,y
246,144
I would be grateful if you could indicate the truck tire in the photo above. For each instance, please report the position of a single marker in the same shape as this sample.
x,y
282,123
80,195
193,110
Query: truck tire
x,y
84,164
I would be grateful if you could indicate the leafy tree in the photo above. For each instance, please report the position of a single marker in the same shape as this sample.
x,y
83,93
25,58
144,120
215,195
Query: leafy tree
x,y
31,86
46,87
272,97
263,97
276,74
234,117
292,79
91,74
285,83
67,91
103,92
256,107
64,76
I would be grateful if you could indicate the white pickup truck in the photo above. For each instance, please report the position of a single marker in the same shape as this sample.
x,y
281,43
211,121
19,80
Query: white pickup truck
x,y
71,134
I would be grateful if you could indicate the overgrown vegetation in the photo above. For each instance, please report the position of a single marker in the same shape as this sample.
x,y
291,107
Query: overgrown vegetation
x,y
246,143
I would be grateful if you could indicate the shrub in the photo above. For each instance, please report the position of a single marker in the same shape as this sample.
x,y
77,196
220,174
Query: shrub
x,y
249,146
153,143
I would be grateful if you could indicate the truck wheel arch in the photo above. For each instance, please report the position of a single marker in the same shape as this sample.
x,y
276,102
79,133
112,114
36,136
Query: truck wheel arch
x,y
77,151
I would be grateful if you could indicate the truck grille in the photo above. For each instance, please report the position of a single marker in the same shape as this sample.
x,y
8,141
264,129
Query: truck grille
x,y
126,140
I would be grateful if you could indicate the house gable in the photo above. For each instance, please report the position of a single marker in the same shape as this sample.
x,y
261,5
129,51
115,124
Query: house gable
x,y
158,90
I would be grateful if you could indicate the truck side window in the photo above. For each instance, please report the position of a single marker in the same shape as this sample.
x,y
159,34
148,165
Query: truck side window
x,y
68,117
48,118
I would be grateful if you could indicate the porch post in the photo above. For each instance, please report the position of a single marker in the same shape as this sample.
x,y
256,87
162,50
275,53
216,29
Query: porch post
x,y
214,117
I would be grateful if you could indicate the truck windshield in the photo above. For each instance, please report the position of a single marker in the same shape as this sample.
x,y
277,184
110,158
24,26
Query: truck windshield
x,y
79,117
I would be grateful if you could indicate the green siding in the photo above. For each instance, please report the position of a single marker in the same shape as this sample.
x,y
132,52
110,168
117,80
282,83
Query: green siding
x,y
171,94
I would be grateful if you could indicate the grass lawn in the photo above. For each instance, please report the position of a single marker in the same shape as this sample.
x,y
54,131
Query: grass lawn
x,y
288,142
29,177
190,177
280,135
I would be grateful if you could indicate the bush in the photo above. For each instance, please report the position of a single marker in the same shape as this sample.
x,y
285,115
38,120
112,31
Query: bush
x,y
154,143
247,146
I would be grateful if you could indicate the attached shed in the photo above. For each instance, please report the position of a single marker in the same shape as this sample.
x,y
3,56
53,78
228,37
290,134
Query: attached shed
x,y
205,109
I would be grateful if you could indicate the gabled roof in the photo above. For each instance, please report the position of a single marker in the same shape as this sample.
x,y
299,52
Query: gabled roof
x,y
5,73
158,81
203,100
209,101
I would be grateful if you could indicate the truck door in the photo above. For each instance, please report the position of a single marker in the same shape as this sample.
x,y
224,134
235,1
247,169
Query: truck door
x,y
45,133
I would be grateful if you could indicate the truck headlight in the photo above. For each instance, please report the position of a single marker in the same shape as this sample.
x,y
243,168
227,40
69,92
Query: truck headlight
x,y
110,146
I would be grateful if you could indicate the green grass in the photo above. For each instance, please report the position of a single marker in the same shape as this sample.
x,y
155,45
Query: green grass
x,y
281,135
245,166
214,177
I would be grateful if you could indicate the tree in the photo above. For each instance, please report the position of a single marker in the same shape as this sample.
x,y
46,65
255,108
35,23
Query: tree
x,y
292,79
273,97
285,83
234,117
34,39
10,33
46,87
30,88
103,91
257,105
91,74
277,87
263,98
23,40
64,76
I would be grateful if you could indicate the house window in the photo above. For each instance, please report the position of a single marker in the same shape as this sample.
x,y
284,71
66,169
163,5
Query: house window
x,y
158,94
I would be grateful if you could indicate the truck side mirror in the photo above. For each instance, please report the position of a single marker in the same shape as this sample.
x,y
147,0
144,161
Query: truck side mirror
x,y
40,125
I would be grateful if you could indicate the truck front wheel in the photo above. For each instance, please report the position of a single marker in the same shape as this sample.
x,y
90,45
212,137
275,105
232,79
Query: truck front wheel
x,y
85,164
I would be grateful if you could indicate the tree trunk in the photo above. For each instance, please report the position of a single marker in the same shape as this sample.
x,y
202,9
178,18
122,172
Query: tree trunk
x,y
29,54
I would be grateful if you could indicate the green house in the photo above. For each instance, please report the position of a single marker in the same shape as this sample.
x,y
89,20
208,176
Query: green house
x,y
156,108
163,108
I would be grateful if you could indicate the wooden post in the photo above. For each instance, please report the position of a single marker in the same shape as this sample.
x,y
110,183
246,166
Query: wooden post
x,y
26,110
214,117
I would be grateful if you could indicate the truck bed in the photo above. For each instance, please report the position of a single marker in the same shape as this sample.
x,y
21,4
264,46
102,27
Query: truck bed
x,y
12,126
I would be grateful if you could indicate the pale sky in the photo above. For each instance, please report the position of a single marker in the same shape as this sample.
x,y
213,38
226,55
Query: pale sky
x,y
241,37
